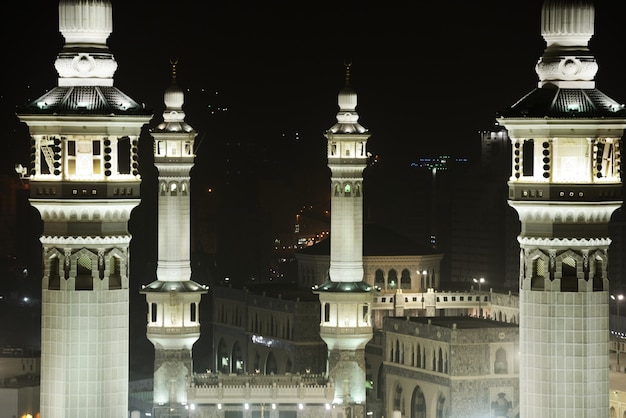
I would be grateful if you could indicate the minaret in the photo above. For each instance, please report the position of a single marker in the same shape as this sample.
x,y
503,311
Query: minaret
x,y
346,299
84,183
173,299
565,184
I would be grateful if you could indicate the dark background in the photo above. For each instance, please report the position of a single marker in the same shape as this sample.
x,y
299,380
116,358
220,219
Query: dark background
x,y
261,83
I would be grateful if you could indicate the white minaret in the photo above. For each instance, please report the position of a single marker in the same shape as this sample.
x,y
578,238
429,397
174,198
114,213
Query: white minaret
x,y
346,299
565,184
173,299
84,183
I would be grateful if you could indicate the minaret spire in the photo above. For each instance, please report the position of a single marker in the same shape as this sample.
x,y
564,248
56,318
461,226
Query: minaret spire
x,y
346,299
173,299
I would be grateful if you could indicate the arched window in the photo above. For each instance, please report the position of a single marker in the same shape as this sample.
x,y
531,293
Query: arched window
x,y
441,403
392,279
271,367
501,366
223,361
115,274
419,356
569,280
84,279
405,279
398,404
54,277
237,364
440,361
598,274
537,281
418,404
379,279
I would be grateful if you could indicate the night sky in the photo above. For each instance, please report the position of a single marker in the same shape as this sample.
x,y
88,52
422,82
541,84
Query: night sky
x,y
429,76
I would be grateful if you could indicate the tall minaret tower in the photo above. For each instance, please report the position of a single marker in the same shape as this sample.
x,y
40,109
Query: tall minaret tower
x,y
173,299
84,183
346,299
565,184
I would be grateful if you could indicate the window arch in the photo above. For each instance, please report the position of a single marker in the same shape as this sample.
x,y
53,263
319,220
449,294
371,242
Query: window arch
x,y
569,279
271,367
54,276
405,279
418,404
84,278
440,361
237,363
379,279
598,274
539,274
441,403
392,279
501,365
223,360
398,399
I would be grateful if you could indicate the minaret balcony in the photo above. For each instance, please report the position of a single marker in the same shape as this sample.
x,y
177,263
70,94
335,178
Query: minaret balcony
x,y
565,192
339,330
174,330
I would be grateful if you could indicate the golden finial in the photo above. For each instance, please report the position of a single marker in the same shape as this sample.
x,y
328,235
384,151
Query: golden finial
x,y
173,62
347,63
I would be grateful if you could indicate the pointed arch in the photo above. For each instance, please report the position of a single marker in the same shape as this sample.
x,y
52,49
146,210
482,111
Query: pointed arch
x,y
442,407
223,359
398,399
237,359
405,279
418,403
271,367
85,263
392,279
501,365
379,279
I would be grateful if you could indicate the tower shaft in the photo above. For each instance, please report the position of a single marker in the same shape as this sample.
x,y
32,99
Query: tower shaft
x,y
565,184
173,299
346,299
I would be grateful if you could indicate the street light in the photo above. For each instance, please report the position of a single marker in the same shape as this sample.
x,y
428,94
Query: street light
x,y
480,308
618,299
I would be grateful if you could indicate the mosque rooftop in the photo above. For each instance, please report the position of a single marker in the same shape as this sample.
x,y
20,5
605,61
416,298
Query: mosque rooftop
x,y
459,322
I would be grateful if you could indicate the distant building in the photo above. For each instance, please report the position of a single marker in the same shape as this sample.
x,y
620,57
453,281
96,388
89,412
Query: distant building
x,y
19,382
458,366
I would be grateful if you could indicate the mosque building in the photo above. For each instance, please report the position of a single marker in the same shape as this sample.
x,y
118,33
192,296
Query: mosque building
x,y
374,336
